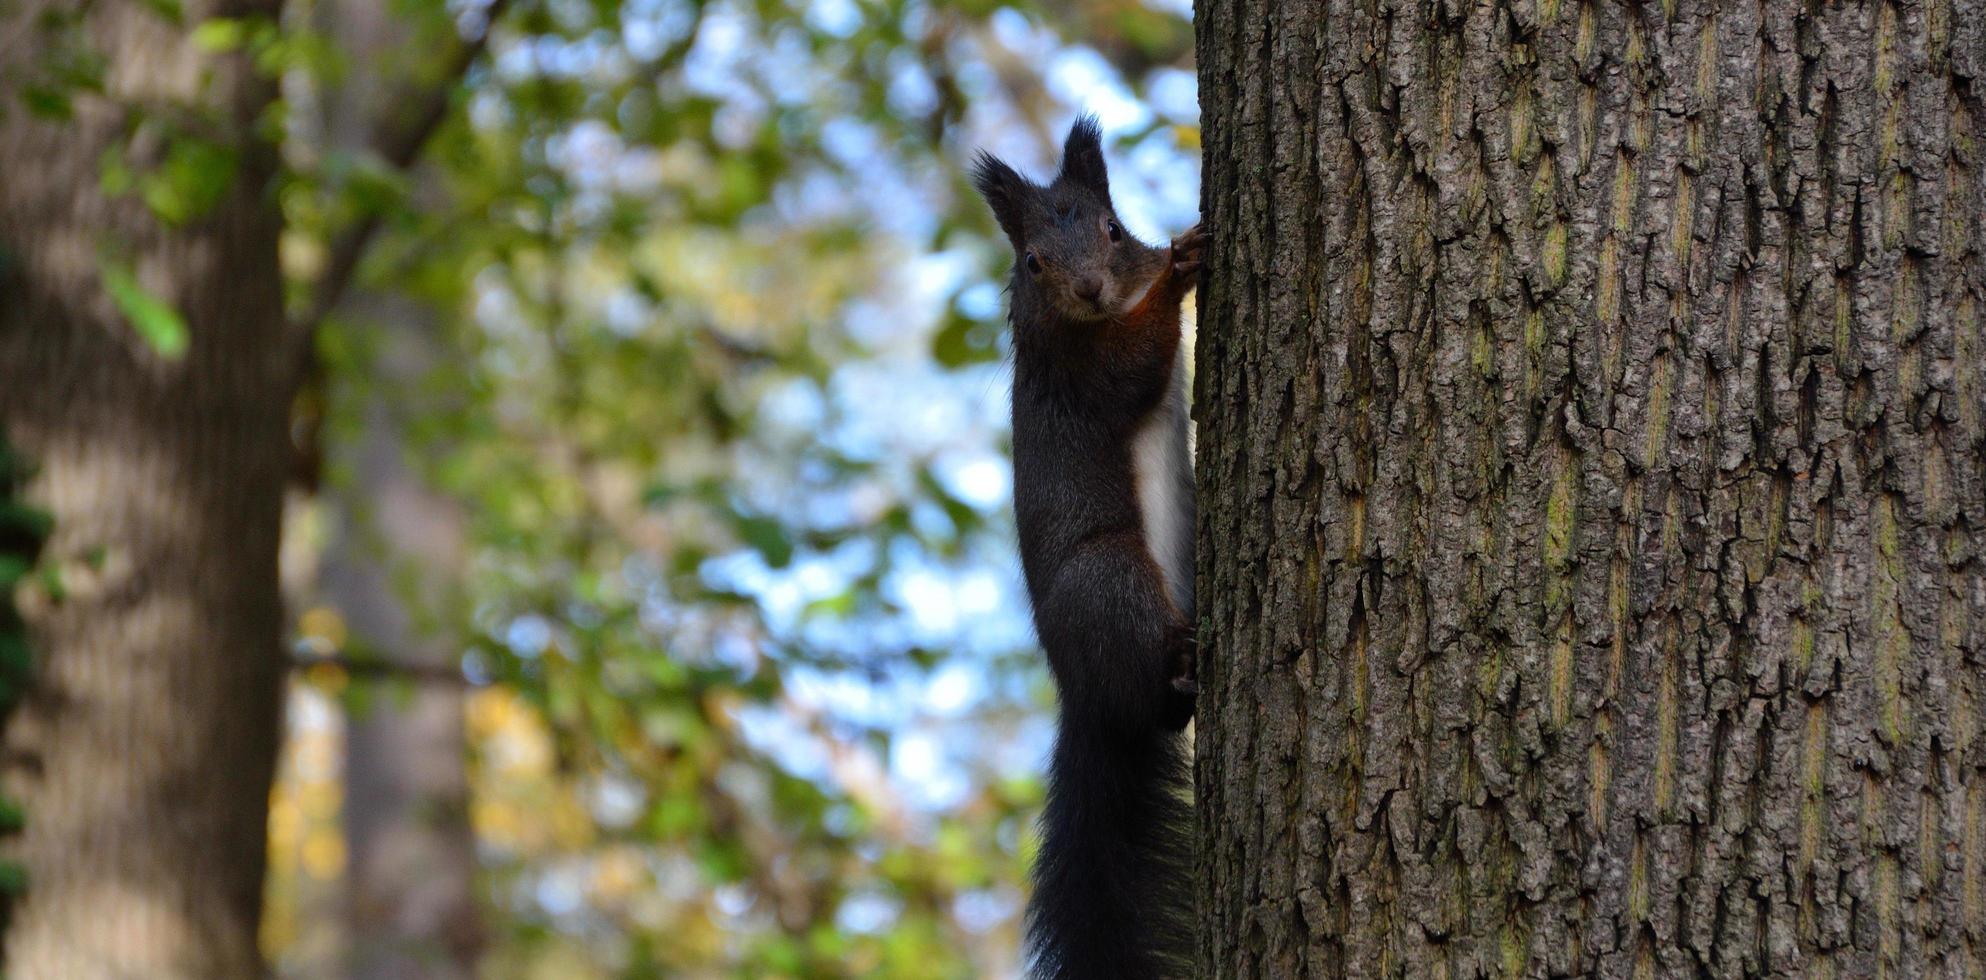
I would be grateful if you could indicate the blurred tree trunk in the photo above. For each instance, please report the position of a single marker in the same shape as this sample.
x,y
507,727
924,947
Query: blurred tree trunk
x,y
144,754
392,571
1593,509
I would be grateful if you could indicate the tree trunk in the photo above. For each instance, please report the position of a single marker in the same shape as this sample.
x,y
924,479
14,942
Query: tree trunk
x,y
1592,489
144,754
393,571
411,884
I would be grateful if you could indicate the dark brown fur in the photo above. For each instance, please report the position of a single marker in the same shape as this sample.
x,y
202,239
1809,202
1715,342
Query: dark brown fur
x,y
1096,334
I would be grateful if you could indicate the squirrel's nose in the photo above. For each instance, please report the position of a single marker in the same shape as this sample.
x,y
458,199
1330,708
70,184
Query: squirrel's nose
x,y
1090,289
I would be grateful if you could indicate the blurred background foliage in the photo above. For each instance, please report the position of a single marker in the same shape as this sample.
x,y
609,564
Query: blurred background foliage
x,y
748,686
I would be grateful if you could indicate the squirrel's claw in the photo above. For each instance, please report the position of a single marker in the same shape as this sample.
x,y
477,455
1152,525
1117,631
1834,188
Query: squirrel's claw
x,y
1187,250
1180,273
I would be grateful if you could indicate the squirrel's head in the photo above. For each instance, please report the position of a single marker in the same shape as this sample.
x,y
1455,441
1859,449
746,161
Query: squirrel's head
x,y
1070,251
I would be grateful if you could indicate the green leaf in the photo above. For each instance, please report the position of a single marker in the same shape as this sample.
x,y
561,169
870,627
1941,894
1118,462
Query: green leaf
x,y
962,341
838,606
153,318
375,187
15,657
47,102
674,816
766,536
722,861
170,10
53,583
191,181
13,878
114,174
219,34
18,520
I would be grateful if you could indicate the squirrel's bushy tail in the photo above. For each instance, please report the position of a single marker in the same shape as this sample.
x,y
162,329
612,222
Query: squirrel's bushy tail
x,y
1113,889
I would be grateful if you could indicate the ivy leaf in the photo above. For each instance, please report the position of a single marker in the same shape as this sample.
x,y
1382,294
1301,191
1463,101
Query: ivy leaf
x,y
22,528
13,878
48,102
153,318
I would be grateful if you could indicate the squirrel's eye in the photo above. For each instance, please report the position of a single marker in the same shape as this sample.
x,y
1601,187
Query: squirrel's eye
x,y
1116,232
1033,264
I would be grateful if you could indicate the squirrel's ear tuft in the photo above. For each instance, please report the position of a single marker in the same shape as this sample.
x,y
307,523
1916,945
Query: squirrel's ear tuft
x,y
1005,190
1082,157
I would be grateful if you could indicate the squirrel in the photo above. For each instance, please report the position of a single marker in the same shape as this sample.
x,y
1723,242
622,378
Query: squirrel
x,y
1103,501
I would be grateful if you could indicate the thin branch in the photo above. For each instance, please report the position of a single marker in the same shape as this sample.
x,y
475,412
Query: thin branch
x,y
420,673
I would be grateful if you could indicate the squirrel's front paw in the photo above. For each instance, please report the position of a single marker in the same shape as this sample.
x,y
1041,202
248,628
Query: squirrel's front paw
x,y
1187,250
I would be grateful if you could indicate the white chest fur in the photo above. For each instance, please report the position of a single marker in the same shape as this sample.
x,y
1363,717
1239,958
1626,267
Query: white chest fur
x,y
1162,470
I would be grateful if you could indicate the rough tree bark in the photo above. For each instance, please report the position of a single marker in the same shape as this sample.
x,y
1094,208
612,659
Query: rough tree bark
x,y
1593,502
144,754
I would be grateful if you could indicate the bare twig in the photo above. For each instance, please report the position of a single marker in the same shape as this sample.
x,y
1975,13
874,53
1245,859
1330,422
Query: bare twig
x,y
417,672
